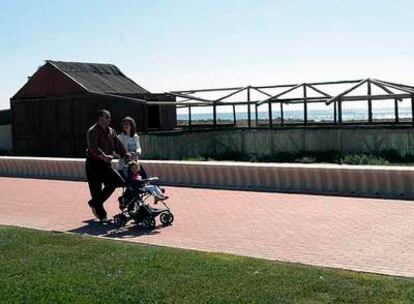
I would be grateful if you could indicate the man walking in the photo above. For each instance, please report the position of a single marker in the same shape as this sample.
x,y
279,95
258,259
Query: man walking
x,y
102,142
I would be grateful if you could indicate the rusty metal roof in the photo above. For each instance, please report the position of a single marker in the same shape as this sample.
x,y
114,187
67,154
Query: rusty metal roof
x,y
98,77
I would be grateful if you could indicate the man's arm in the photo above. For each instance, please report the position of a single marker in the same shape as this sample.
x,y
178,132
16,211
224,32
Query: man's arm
x,y
94,151
92,143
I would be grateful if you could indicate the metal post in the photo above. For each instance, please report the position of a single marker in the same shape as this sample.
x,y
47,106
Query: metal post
x,y
270,114
234,114
335,114
339,111
282,120
397,119
189,116
214,114
249,123
412,109
305,106
257,115
369,102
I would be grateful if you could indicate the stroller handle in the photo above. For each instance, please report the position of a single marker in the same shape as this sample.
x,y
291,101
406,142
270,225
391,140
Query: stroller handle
x,y
151,179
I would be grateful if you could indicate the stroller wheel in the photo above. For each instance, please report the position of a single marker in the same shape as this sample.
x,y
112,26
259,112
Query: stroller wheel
x,y
148,223
166,218
120,220
145,224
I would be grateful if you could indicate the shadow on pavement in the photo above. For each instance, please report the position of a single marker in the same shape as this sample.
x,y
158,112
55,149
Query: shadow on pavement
x,y
95,228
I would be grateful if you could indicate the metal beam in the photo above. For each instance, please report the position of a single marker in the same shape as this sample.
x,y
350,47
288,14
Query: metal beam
x,y
231,94
301,99
383,87
397,84
376,97
280,94
263,92
218,104
346,91
308,83
319,91
193,104
276,86
335,82
223,104
344,98
267,86
404,89
190,97
205,90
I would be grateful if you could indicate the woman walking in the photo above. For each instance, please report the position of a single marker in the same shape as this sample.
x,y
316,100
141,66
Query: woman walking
x,y
129,140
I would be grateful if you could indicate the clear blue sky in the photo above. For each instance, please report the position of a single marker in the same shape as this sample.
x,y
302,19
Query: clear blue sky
x,y
167,45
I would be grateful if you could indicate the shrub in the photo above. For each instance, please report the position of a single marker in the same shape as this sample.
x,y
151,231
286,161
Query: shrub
x,y
364,159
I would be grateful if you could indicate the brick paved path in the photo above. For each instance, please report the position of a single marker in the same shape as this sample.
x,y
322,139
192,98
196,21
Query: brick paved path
x,y
370,235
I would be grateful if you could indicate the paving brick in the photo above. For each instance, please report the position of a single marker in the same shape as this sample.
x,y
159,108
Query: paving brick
x,y
361,234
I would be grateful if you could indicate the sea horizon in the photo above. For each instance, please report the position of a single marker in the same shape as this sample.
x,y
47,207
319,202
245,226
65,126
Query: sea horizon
x,y
315,115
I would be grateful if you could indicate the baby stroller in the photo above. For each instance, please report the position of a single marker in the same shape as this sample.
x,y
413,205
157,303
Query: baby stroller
x,y
134,203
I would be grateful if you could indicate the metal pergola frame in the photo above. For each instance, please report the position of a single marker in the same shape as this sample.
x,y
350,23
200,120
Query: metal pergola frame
x,y
189,99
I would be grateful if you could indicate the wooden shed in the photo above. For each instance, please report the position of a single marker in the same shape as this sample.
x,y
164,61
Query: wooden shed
x,y
53,110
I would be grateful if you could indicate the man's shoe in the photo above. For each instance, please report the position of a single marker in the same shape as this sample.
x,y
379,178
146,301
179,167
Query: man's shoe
x,y
93,208
160,198
157,199
123,202
105,220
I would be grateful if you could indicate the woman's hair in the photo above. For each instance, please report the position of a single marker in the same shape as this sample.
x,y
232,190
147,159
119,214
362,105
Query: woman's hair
x,y
131,121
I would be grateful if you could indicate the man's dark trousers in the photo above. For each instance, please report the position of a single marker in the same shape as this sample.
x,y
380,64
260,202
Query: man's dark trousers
x,y
98,173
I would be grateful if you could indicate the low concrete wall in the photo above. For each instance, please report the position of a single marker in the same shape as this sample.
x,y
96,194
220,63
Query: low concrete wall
x,y
42,167
372,181
261,143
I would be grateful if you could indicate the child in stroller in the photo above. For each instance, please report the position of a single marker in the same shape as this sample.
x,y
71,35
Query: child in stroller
x,y
133,203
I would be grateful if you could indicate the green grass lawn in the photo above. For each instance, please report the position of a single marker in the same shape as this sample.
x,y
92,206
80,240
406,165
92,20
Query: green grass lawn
x,y
45,267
